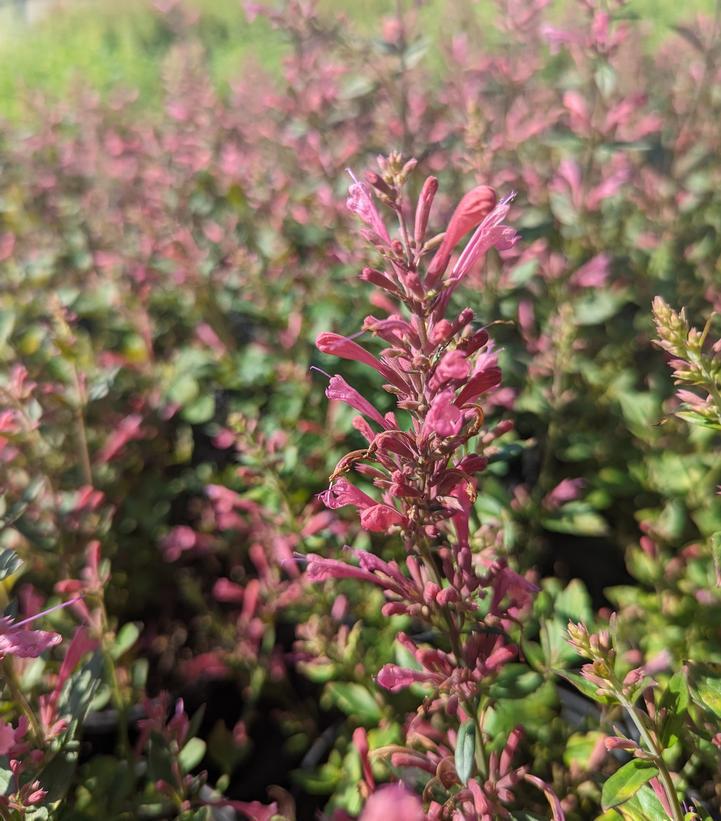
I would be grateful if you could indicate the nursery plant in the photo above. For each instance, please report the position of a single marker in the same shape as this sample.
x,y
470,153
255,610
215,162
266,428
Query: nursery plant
x,y
478,578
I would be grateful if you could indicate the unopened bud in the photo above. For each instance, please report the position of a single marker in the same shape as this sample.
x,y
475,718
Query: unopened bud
x,y
423,209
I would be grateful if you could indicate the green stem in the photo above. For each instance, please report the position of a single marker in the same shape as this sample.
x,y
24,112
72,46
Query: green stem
x,y
18,697
653,748
80,429
116,693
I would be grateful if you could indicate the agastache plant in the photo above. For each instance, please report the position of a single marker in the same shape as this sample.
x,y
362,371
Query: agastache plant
x,y
467,602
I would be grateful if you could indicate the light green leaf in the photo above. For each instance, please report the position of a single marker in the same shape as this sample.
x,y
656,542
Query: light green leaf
x,y
626,782
355,700
192,754
465,750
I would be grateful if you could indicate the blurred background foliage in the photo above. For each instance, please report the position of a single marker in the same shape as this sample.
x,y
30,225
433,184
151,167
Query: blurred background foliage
x,y
104,43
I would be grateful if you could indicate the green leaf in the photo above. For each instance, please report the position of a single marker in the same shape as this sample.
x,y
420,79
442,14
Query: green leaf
x,y
7,323
56,778
706,684
80,690
192,754
597,307
10,563
585,687
643,806
355,700
675,701
716,553
626,782
580,748
126,638
577,521
199,411
183,390
515,681
573,603
466,750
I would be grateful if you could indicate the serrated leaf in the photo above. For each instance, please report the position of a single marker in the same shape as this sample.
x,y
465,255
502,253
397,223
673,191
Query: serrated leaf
x,y
626,782
465,750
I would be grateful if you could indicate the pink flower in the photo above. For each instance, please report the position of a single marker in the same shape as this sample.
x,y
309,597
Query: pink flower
x,y
225,590
470,212
395,678
345,348
490,233
453,365
443,417
342,493
380,518
180,539
339,390
393,803
128,429
565,491
7,738
360,201
594,273
320,569
486,375
14,641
